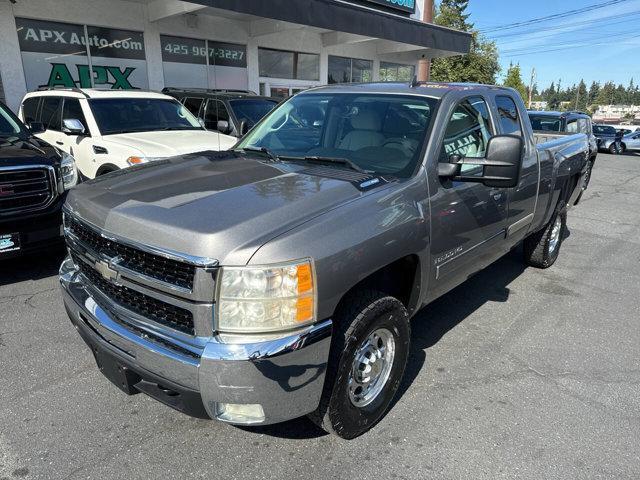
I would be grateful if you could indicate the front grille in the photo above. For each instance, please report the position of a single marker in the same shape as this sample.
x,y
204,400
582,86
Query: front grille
x,y
166,270
25,190
144,305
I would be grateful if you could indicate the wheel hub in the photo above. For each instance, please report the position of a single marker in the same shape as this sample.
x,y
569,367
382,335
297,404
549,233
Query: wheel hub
x,y
554,239
371,367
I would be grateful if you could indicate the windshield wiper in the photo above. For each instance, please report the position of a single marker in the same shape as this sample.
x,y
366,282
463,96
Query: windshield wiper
x,y
343,162
264,150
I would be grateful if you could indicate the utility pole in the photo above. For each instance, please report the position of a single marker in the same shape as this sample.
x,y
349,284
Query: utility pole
x,y
533,78
577,96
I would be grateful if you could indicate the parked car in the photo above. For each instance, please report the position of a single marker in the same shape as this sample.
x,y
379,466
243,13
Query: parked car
x,y
567,123
630,142
34,179
608,139
231,112
107,130
278,279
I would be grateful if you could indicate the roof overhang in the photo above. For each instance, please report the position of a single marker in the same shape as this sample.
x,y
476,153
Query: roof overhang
x,y
349,18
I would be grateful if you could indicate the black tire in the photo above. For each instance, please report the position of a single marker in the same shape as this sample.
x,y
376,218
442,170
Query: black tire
x,y
362,314
613,149
623,149
538,251
587,175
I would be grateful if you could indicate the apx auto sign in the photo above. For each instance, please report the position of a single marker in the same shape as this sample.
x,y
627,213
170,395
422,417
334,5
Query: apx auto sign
x,y
403,5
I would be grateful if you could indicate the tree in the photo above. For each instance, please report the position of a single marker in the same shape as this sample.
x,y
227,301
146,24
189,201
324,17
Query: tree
x,y
513,79
594,90
582,96
480,64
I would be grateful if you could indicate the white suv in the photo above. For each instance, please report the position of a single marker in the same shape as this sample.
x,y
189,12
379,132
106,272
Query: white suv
x,y
106,130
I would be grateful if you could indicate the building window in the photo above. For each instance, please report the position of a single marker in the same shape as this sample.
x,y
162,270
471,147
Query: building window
x,y
349,70
190,62
290,65
396,72
54,54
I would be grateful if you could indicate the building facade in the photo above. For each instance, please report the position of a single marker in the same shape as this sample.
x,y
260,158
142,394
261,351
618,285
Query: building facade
x,y
274,47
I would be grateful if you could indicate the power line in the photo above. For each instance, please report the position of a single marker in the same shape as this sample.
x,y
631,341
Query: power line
x,y
568,47
556,16
628,17
592,36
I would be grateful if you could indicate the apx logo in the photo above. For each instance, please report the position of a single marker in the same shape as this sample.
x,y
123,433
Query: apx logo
x,y
61,76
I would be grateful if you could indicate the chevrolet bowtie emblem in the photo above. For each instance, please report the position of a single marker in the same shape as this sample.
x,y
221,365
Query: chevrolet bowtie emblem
x,y
106,271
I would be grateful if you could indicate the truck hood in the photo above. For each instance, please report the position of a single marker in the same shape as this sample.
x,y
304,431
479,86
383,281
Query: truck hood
x,y
171,143
219,205
25,151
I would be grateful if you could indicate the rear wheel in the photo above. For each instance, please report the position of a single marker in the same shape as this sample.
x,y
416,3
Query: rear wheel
x,y
587,175
369,352
613,149
541,249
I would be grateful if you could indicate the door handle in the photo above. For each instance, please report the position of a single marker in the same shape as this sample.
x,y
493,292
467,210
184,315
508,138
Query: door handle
x,y
59,142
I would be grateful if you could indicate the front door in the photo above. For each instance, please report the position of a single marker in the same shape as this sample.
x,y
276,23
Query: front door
x,y
468,219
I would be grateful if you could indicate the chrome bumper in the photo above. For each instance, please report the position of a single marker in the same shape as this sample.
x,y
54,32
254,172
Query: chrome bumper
x,y
285,376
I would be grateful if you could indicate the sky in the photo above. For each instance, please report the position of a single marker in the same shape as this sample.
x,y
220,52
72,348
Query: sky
x,y
598,45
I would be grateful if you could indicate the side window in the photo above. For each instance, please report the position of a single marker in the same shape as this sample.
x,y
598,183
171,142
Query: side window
x,y
572,126
509,118
215,111
582,125
468,132
52,113
193,105
73,110
30,109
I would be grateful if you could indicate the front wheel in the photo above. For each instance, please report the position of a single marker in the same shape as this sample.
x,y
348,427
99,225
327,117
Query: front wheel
x,y
369,352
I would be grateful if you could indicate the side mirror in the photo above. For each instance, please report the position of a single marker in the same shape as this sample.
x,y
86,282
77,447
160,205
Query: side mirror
x,y
501,164
223,126
72,126
37,127
201,122
244,128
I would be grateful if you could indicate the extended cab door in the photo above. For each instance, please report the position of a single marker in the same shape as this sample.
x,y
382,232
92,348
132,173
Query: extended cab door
x,y
522,198
468,219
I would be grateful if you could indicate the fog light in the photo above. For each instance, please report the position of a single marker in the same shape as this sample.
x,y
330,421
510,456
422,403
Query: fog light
x,y
239,413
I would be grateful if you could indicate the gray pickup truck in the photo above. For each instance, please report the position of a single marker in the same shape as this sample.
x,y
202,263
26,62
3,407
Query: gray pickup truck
x,y
278,279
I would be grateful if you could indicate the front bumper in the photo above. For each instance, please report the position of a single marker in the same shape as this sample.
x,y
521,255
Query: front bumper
x,y
285,376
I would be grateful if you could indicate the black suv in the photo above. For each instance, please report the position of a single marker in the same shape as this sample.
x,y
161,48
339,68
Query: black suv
x,y
232,112
34,179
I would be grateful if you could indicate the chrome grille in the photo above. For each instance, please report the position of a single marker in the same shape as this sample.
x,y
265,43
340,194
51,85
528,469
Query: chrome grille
x,y
160,312
154,266
26,189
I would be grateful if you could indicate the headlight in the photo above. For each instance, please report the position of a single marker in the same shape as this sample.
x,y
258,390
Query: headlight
x,y
137,160
266,299
69,171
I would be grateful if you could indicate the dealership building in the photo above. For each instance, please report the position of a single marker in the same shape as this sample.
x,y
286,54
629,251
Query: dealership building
x,y
274,47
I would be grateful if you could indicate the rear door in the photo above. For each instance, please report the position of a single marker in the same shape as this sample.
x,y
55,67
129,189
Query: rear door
x,y
51,117
468,219
522,198
633,142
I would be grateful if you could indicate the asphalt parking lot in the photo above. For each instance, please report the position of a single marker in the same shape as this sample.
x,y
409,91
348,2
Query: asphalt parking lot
x,y
518,373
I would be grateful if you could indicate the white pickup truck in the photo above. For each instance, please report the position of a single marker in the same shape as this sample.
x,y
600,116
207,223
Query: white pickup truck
x,y
107,130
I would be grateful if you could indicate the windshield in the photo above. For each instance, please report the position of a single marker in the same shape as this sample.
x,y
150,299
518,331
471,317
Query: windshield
x,y
126,115
545,123
252,110
9,123
378,133
602,130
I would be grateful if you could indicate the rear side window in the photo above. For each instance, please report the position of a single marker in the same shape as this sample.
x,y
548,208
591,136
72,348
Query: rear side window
x,y
193,105
73,110
30,109
509,118
52,113
583,126
468,132
572,126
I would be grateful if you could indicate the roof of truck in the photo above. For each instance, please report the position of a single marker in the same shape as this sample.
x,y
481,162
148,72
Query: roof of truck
x,y
557,114
95,93
428,89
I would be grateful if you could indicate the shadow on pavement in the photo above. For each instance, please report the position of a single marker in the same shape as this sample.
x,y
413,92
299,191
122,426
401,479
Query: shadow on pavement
x,y
32,266
428,327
